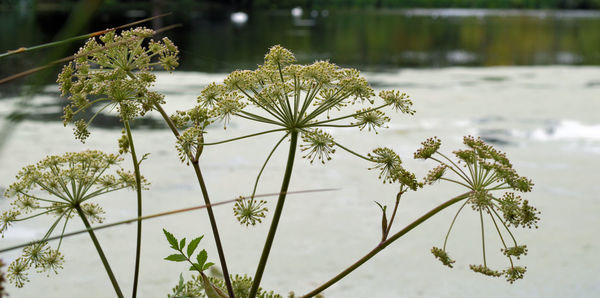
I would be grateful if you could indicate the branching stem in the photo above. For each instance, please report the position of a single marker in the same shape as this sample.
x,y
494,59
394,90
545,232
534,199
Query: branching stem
x,y
384,244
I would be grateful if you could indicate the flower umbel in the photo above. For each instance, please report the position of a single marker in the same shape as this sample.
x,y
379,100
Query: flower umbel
x,y
114,71
484,172
61,187
250,211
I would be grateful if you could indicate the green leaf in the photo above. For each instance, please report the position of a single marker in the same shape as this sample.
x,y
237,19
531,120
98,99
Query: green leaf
x,y
195,267
176,258
172,240
201,258
182,244
192,246
207,265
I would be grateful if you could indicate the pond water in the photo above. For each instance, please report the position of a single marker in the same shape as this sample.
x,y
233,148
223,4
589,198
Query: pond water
x,y
544,116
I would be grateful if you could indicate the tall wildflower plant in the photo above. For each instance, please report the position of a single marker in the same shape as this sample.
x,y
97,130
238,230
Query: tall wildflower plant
x,y
114,72
296,100
301,103
62,187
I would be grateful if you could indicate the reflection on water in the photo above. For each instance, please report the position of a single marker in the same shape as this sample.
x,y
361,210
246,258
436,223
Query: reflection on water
x,y
381,39
391,39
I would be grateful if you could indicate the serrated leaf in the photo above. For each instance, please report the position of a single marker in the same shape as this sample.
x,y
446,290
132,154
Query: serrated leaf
x,y
182,244
176,258
201,258
192,246
172,240
207,265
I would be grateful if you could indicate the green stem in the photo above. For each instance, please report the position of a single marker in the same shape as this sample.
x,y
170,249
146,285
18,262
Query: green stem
x,y
213,222
352,152
215,230
265,164
276,215
167,119
482,237
113,280
384,244
138,184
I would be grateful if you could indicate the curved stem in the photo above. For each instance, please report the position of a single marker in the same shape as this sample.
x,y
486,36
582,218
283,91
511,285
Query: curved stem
x,y
167,119
213,222
349,116
462,174
138,187
276,215
265,164
352,152
452,224
384,244
113,280
482,237
215,230
499,234
389,227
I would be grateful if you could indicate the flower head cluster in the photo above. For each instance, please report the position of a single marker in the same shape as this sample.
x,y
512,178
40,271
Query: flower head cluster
x,y
250,211
114,71
61,187
318,144
484,171
195,287
299,100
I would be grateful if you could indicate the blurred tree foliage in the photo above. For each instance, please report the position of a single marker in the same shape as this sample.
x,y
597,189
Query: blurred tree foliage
x,y
286,4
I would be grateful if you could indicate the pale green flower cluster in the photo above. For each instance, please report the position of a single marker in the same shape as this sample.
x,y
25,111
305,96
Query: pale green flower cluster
x,y
61,187
114,71
296,100
484,172
195,287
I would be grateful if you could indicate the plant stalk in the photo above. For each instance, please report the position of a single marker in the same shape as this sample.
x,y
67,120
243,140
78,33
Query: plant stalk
x,y
113,280
211,215
215,230
384,244
276,215
138,184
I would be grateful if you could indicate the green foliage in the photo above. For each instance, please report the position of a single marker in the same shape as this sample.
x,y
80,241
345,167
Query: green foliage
x,y
196,287
179,245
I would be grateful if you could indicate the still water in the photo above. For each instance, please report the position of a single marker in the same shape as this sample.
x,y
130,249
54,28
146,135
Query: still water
x,y
544,116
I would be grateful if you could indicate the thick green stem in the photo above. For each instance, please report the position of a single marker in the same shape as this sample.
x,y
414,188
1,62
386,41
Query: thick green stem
x,y
384,244
138,186
211,216
215,230
113,280
276,215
